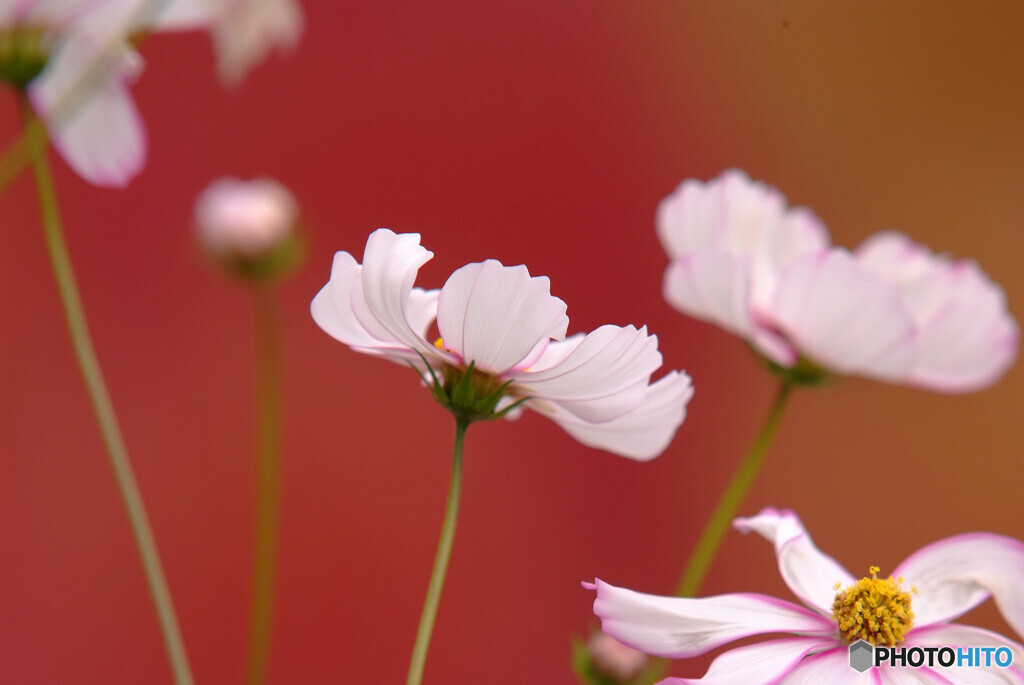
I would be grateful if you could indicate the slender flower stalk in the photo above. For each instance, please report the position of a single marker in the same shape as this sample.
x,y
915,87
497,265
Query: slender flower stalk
x,y
735,492
102,405
444,553
268,447
15,158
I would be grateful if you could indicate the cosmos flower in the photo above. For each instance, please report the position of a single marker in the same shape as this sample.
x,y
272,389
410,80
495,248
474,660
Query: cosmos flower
x,y
245,31
913,607
502,343
74,60
742,259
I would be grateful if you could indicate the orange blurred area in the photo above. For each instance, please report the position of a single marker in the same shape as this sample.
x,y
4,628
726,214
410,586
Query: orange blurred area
x,y
531,132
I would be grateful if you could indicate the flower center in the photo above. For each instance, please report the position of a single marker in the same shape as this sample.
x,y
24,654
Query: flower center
x,y
23,54
873,609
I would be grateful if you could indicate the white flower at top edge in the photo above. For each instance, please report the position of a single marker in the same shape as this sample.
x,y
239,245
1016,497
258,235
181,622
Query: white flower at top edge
x,y
742,259
932,587
81,65
501,329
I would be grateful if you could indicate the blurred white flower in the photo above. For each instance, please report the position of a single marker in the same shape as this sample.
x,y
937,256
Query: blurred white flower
x,y
742,259
613,660
501,342
76,64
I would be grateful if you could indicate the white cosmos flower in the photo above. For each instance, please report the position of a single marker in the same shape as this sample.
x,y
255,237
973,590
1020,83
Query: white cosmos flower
x,y
506,326
940,581
84,66
742,259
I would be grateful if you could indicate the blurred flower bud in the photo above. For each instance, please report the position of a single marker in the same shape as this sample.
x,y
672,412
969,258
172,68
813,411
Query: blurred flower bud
x,y
613,661
249,228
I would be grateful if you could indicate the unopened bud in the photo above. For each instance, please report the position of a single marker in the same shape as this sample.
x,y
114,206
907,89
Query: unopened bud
x,y
613,660
249,228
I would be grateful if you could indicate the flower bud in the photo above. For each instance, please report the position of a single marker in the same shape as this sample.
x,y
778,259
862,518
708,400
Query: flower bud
x,y
613,661
249,228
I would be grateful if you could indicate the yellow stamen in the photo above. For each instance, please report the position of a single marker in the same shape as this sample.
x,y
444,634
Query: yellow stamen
x,y
874,610
439,344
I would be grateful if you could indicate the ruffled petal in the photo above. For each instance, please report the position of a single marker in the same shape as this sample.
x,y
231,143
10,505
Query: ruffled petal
x,y
643,433
760,664
956,574
603,378
341,308
496,315
956,635
83,98
843,317
713,286
681,627
808,572
831,667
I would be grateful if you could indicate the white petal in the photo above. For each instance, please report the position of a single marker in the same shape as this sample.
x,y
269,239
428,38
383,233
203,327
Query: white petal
x,y
342,310
603,378
680,627
843,317
760,664
250,29
643,433
958,573
83,97
808,572
739,216
955,635
830,668
912,676
712,285
496,315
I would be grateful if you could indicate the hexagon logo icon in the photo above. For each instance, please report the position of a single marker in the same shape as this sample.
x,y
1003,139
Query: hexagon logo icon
x,y
862,655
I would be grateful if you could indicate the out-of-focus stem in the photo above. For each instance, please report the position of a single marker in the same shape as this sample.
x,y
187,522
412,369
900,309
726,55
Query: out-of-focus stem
x,y
102,406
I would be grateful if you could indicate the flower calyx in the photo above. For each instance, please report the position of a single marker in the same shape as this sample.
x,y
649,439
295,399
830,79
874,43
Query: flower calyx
x,y
468,393
24,52
873,609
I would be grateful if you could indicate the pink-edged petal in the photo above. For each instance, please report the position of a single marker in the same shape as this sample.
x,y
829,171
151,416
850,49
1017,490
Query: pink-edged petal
x,y
830,668
957,635
966,337
809,573
680,627
843,317
89,113
643,433
711,285
249,30
971,339
912,676
496,315
956,574
761,664
603,378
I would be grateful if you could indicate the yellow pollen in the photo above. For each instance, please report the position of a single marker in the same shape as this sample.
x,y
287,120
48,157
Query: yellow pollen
x,y
873,609
439,344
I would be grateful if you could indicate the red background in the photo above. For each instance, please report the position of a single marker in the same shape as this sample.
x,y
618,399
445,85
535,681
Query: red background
x,y
533,132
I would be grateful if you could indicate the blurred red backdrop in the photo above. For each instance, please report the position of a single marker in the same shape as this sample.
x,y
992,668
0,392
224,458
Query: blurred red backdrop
x,y
531,132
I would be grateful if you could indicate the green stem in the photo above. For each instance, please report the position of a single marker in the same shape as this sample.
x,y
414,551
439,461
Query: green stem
x,y
14,159
444,552
100,399
268,362
710,539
